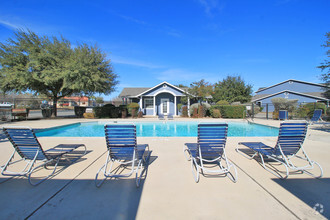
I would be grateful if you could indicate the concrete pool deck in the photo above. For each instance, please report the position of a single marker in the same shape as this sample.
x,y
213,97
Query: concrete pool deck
x,y
169,190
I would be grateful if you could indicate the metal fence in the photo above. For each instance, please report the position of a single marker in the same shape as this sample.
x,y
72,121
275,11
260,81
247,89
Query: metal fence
x,y
34,108
299,111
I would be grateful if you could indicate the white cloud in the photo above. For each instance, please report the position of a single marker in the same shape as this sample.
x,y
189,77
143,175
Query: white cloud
x,y
132,62
211,6
10,24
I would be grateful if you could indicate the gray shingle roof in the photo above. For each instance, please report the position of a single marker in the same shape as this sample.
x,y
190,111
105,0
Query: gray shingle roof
x,y
132,91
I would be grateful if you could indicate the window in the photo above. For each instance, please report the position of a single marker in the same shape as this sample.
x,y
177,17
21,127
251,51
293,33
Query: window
x,y
148,103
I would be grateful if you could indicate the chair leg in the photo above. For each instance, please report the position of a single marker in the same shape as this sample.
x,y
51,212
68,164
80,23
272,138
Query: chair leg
x,y
186,153
104,170
99,183
144,166
195,169
40,181
309,173
271,171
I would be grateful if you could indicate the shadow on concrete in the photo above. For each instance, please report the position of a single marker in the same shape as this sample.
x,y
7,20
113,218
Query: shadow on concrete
x,y
271,164
323,128
314,192
63,199
76,198
42,172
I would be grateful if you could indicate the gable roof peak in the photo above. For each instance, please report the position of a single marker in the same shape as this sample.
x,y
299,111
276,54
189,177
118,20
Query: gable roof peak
x,y
289,80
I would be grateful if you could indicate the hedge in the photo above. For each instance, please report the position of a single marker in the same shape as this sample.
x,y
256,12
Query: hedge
x,y
107,112
228,111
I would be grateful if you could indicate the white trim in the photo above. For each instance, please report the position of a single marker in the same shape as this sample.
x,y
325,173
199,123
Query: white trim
x,y
165,91
140,104
288,91
292,80
154,105
174,105
181,90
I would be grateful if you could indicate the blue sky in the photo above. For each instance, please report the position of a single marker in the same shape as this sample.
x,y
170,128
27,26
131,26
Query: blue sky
x,y
183,41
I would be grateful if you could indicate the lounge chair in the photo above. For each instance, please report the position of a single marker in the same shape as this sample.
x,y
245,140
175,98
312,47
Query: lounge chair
x,y
209,151
123,148
161,117
170,116
316,116
290,140
29,149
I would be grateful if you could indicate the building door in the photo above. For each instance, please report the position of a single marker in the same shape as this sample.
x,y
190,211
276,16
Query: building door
x,y
164,106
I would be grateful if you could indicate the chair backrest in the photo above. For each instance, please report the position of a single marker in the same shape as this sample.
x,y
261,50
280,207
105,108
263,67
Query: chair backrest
x,y
121,140
25,142
317,115
291,137
212,139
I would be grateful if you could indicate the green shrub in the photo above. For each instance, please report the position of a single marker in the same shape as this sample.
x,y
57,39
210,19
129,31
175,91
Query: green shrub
x,y
256,110
201,111
216,113
192,107
207,107
284,104
123,111
179,106
195,113
307,110
79,111
107,111
228,111
134,113
222,102
89,115
184,111
132,106
102,112
328,111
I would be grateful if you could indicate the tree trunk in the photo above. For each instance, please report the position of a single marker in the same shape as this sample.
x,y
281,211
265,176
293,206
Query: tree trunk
x,y
54,114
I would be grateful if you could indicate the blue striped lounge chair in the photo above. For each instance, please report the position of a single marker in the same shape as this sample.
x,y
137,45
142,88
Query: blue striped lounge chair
x,y
124,150
27,146
316,116
290,140
161,117
208,155
170,116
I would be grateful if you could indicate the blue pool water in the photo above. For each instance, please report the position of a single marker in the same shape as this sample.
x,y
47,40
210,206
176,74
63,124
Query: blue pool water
x,y
157,129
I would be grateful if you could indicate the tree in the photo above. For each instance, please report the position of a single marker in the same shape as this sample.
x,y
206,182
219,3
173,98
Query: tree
x,y
232,89
326,65
51,66
99,100
201,89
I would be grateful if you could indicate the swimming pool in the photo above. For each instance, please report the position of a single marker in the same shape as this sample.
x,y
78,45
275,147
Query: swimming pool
x,y
157,129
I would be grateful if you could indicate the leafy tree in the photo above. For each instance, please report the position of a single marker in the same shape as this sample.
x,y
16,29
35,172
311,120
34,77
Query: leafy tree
x,y
99,100
232,89
326,65
51,66
201,89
